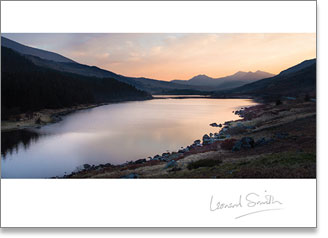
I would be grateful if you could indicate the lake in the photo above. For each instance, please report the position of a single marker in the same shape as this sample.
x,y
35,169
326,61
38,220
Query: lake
x,y
113,133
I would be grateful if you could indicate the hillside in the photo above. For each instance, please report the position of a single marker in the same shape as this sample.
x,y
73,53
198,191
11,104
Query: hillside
x,y
57,62
294,81
27,87
26,50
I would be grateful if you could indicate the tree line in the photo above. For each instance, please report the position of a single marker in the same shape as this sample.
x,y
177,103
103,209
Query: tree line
x,y
27,87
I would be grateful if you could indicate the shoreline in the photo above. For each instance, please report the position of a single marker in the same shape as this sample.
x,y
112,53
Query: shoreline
x,y
175,155
244,140
45,117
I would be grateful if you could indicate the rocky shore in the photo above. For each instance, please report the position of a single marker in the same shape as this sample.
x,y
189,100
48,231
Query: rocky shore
x,y
41,118
269,141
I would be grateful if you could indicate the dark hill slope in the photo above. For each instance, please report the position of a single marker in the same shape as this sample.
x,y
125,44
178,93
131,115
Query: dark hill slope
x,y
58,62
149,85
295,81
28,87
26,50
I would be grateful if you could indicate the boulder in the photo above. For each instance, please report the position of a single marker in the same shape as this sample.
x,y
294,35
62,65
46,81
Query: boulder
x,y
197,142
165,154
237,146
140,161
214,124
174,156
247,142
171,164
244,143
206,140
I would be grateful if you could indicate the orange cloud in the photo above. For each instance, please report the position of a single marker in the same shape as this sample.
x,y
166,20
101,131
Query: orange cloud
x,y
179,56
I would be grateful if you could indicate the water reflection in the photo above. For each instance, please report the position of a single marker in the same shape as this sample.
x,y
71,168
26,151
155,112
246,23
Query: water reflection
x,y
12,140
114,134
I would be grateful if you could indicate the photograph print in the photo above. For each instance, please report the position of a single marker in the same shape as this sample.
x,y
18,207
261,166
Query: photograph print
x,y
158,105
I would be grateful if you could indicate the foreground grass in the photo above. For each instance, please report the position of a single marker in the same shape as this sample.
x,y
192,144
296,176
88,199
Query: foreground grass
x,y
277,165
203,163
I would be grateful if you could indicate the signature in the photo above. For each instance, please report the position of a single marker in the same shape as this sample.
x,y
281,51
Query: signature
x,y
259,202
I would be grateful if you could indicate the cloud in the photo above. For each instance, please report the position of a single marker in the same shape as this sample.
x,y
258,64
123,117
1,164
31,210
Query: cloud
x,y
172,56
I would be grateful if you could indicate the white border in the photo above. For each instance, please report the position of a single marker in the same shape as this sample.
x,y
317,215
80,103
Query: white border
x,y
156,203
96,203
161,16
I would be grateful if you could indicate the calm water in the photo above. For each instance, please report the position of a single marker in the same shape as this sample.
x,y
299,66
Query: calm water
x,y
114,134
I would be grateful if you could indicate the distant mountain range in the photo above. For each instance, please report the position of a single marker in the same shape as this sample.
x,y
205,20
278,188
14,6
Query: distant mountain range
x,y
294,81
57,62
200,83
238,79
300,78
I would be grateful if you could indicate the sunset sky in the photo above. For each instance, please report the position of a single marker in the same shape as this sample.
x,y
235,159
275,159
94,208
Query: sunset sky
x,y
178,56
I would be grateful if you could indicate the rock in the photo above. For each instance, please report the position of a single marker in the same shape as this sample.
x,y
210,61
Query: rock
x,y
140,161
206,137
237,146
163,159
174,156
240,124
244,143
197,142
166,154
171,164
214,124
183,150
247,142
206,140
130,176
220,125
86,166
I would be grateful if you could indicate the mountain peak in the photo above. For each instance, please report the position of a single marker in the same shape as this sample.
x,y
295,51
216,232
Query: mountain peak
x,y
200,77
239,73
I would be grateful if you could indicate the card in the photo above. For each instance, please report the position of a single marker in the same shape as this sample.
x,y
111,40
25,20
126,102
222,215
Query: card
x,y
158,114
